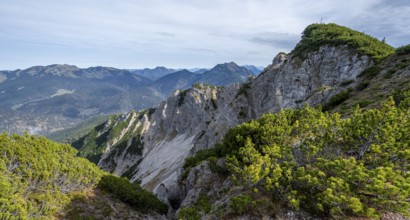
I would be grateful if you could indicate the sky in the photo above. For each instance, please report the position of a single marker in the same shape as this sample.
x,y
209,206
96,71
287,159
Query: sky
x,y
131,34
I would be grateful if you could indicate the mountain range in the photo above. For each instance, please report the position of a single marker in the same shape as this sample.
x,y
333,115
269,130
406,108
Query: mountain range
x,y
320,133
43,99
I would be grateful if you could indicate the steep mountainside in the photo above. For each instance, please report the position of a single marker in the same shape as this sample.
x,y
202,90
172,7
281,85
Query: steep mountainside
x,y
255,69
151,146
225,74
179,80
196,118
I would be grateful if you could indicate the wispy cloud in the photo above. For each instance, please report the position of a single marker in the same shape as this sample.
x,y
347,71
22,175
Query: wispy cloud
x,y
180,33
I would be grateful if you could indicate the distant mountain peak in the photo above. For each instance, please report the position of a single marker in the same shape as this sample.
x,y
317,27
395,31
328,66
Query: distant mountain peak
x,y
154,74
68,66
160,68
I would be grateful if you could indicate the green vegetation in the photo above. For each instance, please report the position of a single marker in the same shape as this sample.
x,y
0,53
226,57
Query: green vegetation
x,y
400,95
317,35
389,74
118,128
201,207
37,176
181,97
91,146
94,143
132,194
71,134
362,85
187,213
200,156
243,90
314,160
403,50
334,167
337,99
346,82
241,204
370,72
40,177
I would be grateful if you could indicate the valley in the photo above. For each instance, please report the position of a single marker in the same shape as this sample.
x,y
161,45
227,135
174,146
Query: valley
x,y
46,99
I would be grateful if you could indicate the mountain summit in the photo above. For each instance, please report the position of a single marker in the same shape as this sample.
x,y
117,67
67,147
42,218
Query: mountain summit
x,y
227,73
220,75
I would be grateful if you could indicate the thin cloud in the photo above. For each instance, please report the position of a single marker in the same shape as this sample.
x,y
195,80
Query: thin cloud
x,y
276,40
180,33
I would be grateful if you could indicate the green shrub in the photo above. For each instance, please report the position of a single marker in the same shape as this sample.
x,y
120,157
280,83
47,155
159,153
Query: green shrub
x,y
38,175
181,97
337,99
400,95
188,214
389,74
132,194
403,50
370,72
316,161
243,90
203,203
363,103
201,206
199,156
215,168
241,204
401,66
317,35
362,85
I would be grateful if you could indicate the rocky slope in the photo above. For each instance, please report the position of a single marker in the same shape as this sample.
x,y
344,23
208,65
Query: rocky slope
x,y
197,118
152,145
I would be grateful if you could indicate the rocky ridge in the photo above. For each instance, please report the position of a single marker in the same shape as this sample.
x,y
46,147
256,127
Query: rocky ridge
x,y
197,118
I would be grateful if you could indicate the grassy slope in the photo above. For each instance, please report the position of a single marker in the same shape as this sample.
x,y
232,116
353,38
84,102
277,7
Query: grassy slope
x,y
317,35
71,134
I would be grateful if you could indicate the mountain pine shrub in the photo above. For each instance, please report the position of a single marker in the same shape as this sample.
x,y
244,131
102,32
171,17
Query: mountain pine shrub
x,y
314,160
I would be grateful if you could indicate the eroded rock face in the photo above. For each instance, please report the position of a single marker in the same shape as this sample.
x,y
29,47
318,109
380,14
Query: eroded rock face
x,y
291,82
199,117
186,122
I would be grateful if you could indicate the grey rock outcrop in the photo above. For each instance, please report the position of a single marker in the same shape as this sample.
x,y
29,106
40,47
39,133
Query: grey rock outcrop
x,y
197,118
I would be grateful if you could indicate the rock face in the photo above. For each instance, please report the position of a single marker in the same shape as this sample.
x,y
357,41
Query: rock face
x,y
197,118
290,83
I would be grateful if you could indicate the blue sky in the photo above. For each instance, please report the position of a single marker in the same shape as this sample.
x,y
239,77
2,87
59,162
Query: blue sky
x,y
179,33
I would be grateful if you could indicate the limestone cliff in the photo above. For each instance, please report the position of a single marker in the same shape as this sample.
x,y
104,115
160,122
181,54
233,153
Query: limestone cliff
x,y
197,118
